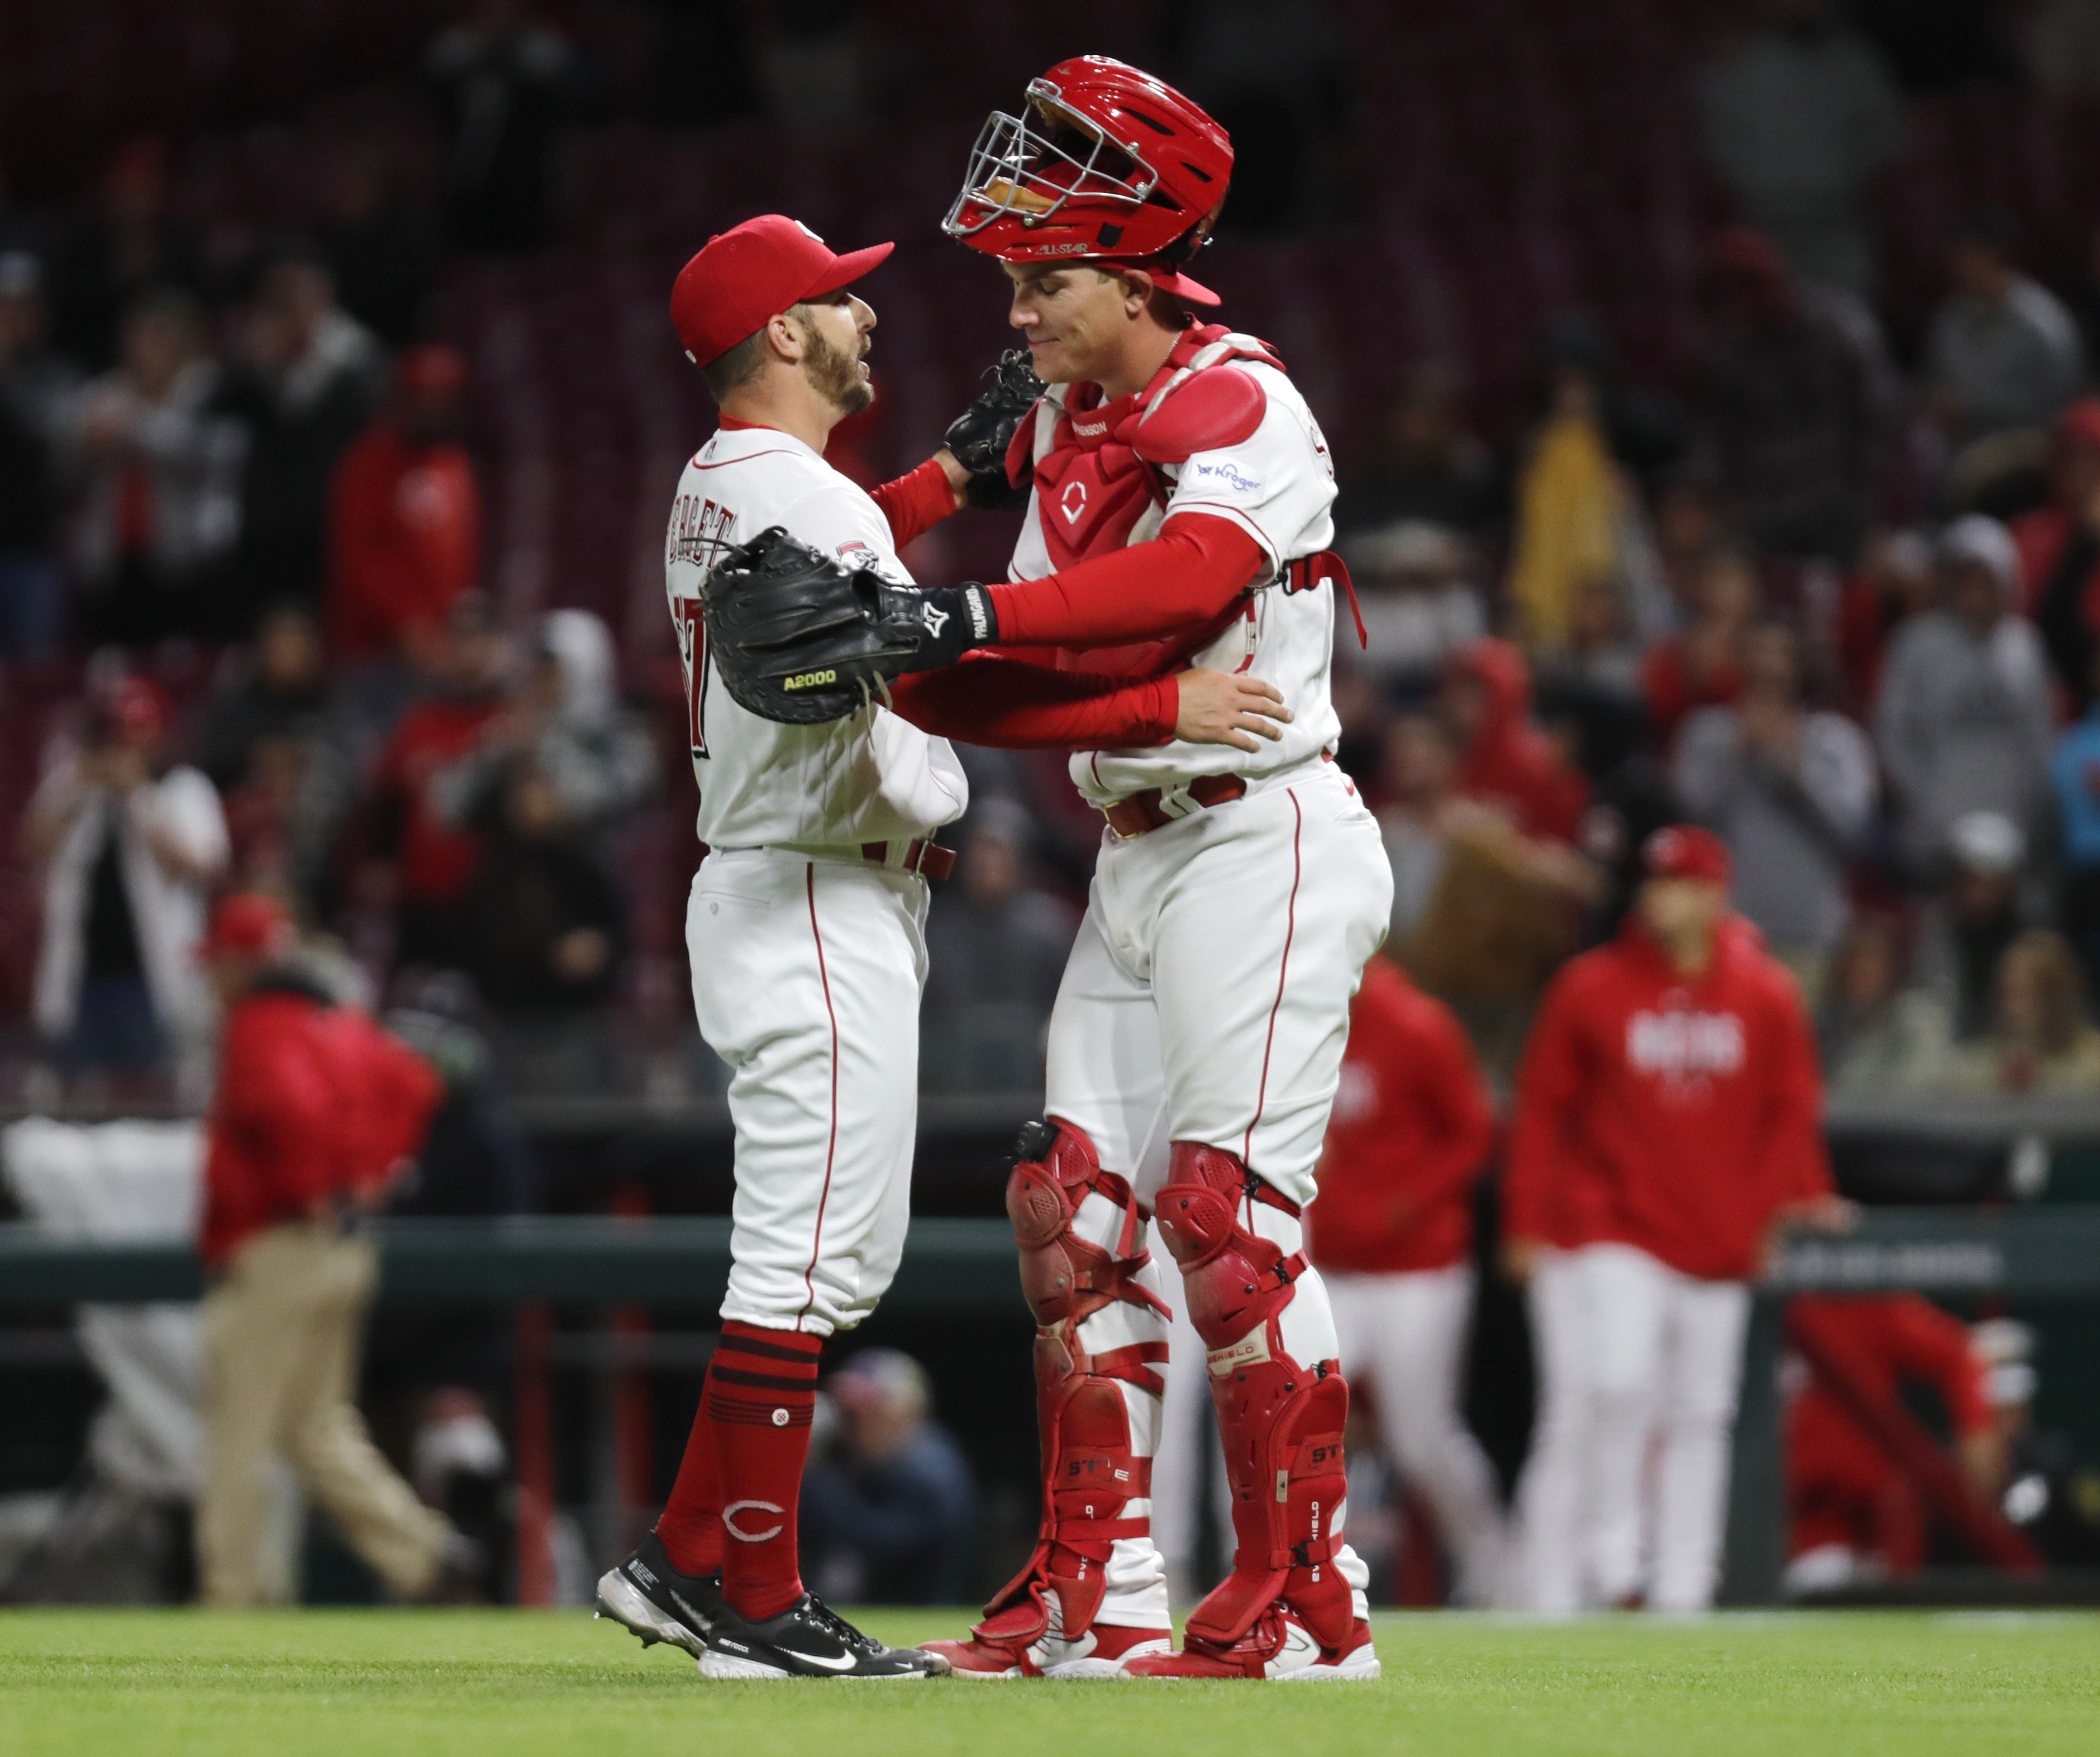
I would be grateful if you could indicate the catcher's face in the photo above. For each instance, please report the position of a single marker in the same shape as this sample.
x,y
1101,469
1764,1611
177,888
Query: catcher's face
x,y
1075,321
836,336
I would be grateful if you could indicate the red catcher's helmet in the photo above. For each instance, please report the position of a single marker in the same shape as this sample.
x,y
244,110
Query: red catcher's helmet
x,y
1105,164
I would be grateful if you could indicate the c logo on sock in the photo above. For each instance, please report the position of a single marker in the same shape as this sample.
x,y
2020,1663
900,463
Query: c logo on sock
x,y
735,1508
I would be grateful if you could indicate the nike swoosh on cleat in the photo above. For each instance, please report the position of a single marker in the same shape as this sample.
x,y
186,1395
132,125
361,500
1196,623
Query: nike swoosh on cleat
x,y
701,1620
844,1662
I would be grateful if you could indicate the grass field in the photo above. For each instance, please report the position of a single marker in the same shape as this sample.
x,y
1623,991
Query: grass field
x,y
500,1684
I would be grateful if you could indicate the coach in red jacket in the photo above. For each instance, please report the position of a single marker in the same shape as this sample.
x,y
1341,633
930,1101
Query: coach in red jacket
x,y
1668,1117
316,1109
1392,1234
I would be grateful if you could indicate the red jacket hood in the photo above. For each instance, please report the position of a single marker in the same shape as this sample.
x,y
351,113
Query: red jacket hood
x,y
1502,667
1510,762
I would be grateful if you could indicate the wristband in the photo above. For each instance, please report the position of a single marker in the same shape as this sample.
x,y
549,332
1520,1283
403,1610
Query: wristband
x,y
956,618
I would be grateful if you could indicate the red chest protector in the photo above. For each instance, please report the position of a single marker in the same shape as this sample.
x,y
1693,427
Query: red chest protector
x,y
1099,474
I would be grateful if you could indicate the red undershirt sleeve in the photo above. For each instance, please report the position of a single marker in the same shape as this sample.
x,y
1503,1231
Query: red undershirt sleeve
x,y
1010,704
1186,576
915,502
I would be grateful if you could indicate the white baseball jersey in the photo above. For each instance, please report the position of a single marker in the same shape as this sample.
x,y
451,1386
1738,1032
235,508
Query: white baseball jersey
x,y
1277,485
808,959
874,777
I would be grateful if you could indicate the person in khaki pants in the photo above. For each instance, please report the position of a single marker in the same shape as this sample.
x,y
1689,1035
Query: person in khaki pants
x,y
315,1107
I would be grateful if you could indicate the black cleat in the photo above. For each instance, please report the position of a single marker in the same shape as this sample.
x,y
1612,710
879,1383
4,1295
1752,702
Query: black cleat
x,y
807,1640
647,1595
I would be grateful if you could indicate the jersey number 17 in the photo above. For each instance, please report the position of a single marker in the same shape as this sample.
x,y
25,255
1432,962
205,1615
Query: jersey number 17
x,y
693,649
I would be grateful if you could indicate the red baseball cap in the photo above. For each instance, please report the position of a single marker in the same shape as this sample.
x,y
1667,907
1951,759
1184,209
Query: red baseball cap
x,y
1685,851
753,272
246,924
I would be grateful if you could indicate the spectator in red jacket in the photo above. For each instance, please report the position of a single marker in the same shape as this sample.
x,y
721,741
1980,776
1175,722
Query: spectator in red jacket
x,y
421,863
316,1109
405,517
1853,1514
1392,1234
1505,760
1667,1119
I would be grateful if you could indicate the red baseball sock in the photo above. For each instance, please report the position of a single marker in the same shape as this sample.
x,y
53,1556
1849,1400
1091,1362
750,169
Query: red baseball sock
x,y
691,1526
760,1392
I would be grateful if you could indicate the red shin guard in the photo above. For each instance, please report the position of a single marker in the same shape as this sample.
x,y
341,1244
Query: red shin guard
x,y
1281,1419
1090,1473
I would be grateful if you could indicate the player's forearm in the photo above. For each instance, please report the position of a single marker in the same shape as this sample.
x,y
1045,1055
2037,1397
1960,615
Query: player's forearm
x,y
1189,574
917,501
1009,704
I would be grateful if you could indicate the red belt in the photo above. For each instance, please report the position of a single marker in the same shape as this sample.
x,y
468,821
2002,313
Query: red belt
x,y
1143,811
925,856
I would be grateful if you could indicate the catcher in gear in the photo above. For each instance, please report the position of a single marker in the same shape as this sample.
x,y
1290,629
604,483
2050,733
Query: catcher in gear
x,y
1179,497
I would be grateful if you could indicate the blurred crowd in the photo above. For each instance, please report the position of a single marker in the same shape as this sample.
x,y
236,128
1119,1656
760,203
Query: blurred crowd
x,y
1841,614
1822,575
1835,592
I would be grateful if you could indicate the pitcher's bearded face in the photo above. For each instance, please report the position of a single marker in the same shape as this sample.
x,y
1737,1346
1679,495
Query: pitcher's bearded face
x,y
834,359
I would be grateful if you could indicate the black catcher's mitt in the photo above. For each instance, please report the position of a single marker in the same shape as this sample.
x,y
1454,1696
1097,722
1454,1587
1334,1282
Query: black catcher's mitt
x,y
980,435
800,638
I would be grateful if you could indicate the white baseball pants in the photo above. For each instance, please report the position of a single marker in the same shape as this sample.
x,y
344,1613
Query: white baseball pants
x,y
1207,995
1208,1000
1188,1428
1546,1569
1403,1340
806,979
1659,1363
